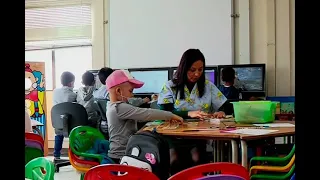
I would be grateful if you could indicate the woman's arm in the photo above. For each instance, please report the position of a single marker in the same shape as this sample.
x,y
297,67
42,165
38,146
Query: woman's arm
x,y
170,107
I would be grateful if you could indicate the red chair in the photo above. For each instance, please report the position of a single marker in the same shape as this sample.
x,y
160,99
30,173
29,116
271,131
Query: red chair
x,y
35,137
110,172
222,167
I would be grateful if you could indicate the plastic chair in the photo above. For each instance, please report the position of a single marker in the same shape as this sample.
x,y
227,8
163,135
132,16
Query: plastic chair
x,y
34,144
109,171
275,160
285,168
78,165
223,167
76,159
283,176
221,177
293,176
33,136
82,138
34,169
32,153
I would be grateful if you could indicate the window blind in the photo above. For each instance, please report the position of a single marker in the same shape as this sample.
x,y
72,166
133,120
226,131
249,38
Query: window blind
x,y
54,22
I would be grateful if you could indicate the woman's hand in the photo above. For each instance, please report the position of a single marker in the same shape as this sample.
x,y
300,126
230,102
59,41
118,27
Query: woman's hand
x,y
219,114
197,114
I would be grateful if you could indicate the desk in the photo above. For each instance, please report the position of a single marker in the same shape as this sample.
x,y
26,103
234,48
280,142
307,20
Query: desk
x,y
282,131
202,130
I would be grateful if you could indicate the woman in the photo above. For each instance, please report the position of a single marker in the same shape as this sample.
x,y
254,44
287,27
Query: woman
x,y
190,95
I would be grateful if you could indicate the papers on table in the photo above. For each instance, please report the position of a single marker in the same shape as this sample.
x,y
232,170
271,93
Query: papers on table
x,y
251,131
273,125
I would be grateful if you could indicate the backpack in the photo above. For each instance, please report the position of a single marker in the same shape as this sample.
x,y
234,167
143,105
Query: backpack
x,y
148,150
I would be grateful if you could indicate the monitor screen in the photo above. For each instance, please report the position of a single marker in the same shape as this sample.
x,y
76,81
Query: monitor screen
x,y
153,80
210,75
249,78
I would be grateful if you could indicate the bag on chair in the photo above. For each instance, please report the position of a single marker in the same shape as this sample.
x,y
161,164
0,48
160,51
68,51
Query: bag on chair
x,y
148,150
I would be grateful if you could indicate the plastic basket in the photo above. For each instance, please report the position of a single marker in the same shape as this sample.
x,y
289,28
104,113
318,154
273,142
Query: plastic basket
x,y
248,112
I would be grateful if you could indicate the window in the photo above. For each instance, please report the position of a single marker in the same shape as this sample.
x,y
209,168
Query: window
x,y
76,60
46,57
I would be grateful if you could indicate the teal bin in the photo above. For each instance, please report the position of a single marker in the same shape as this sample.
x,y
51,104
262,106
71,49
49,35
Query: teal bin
x,y
249,112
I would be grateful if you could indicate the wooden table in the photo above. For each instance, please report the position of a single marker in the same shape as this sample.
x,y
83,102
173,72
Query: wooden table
x,y
282,131
202,130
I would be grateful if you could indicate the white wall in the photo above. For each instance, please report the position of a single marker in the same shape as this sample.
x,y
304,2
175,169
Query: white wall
x,y
264,34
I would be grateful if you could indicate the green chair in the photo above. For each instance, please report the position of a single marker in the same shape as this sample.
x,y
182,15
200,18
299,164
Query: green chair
x,y
274,160
31,153
39,169
280,176
82,138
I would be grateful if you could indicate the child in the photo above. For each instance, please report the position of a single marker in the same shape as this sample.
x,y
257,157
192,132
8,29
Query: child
x,y
61,95
85,97
228,89
123,117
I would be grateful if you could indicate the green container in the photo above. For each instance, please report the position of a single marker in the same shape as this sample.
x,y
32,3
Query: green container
x,y
249,112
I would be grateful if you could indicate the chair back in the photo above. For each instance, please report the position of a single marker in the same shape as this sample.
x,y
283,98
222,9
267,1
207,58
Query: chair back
x,y
40,169
221,177
66,116
101,107
32,153
111,171
201,170
33,144
35,137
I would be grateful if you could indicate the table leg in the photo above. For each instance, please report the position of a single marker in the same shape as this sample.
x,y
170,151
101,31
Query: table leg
x,y
234,150
214,146
244,153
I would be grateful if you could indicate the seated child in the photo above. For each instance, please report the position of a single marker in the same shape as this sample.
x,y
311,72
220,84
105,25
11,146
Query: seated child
x,y
101,147
123,117
85,98
228,89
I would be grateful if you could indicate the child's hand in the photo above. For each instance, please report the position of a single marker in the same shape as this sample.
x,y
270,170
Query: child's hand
x,y
177,119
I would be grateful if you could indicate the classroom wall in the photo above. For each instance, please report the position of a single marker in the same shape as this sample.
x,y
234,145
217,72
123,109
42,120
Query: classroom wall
x,y
264,33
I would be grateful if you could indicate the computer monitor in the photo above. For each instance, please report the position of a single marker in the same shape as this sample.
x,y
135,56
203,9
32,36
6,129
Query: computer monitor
x,y
153,79
210,73
249,77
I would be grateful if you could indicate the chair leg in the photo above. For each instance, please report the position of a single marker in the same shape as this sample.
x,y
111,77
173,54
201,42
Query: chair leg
x,y
82,176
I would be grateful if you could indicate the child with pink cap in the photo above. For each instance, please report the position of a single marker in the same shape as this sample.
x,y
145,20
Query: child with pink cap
x,y
123,117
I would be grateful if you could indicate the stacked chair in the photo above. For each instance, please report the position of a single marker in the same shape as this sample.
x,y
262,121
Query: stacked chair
x,y
119,172
34,146
82,139
273,167
226,170
39,169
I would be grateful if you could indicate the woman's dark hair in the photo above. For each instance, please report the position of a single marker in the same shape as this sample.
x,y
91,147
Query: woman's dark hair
x,y
181,78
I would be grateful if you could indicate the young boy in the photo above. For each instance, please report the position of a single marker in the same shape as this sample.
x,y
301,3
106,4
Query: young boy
x,y
123,117
61,95
85,97
102,92
228,89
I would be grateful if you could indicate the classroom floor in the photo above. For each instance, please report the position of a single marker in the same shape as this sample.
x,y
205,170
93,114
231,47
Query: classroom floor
x,y
65,173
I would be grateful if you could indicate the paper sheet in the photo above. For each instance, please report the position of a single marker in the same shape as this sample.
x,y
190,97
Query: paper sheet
x,y
275,125
252,131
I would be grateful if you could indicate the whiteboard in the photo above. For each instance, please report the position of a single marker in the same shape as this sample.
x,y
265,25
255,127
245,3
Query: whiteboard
x,y
155,33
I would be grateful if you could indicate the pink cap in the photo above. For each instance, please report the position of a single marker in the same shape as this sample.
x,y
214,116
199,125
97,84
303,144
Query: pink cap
x,y
122,76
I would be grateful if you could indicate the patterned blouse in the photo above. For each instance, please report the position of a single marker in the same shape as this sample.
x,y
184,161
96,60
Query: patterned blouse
x,y
210,102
